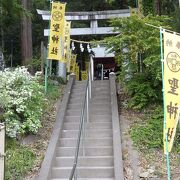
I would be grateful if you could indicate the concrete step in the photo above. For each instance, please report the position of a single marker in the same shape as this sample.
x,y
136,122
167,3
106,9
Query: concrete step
x,y
100,91
85,161
88,142
76,95
102,107
100,112
79,86
100,85
101,101
93,107
78,91
84,179
101,82
93,133
97,103
91,125
75,106
103,93
71,112
80,82
90,151
84,172
95,117
72,119
76,100
101,98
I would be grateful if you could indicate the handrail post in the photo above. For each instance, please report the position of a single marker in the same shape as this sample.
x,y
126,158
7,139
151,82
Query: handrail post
x,y
92,68
102,72
2,149
87,101
90,81
83,139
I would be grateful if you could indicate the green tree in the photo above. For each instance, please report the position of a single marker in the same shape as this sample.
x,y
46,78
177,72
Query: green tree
x,y
9,24
138,54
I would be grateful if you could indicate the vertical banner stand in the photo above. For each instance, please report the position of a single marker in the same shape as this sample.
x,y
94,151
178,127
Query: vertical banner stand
x,y
164,106
46,73
2,151
46,63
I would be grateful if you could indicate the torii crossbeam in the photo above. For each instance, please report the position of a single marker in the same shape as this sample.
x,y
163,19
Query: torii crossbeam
x,y
93,17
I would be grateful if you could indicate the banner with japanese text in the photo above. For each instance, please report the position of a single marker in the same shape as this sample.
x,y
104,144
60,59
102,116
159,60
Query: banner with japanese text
x,y
87,66
77,71
69,61
171,86
67,28
73,63
84,75
56,31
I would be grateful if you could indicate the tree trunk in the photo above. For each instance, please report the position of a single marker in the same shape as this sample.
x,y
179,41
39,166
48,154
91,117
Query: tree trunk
x,y
158,7
26,35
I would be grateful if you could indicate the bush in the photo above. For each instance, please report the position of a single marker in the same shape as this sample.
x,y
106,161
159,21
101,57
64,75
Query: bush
x,y
142,92
22,98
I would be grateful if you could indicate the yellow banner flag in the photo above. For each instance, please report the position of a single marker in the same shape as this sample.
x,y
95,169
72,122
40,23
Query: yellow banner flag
x,y
73,63
56,31
84,75
87,66
69,61
67,29
171,86
77,71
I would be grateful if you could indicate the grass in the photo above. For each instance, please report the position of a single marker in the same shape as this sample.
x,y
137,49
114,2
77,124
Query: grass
x,y
19,160
148,134
53,92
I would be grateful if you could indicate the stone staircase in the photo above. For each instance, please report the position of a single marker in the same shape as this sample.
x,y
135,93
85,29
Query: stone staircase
x,y
98,161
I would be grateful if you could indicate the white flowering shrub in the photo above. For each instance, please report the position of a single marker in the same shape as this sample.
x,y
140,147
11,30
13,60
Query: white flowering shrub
x,y
22,98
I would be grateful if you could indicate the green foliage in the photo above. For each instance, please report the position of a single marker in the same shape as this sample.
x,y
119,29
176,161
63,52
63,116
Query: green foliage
x,y
148,134
53,91
148,7
88,5
142,92
177,19
19,160
168,6
138,54
22,98
35,64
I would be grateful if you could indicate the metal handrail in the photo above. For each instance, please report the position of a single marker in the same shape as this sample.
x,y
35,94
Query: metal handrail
x,y
85,105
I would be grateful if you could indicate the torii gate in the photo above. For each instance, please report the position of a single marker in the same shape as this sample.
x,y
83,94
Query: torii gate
x,y
94,29
93,17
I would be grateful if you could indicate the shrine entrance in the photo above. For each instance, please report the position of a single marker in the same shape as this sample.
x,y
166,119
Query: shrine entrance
x,y
102,56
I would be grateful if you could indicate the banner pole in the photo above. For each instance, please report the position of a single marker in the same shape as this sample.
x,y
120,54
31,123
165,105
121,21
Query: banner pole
x,y
46,64
164,106
46,74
